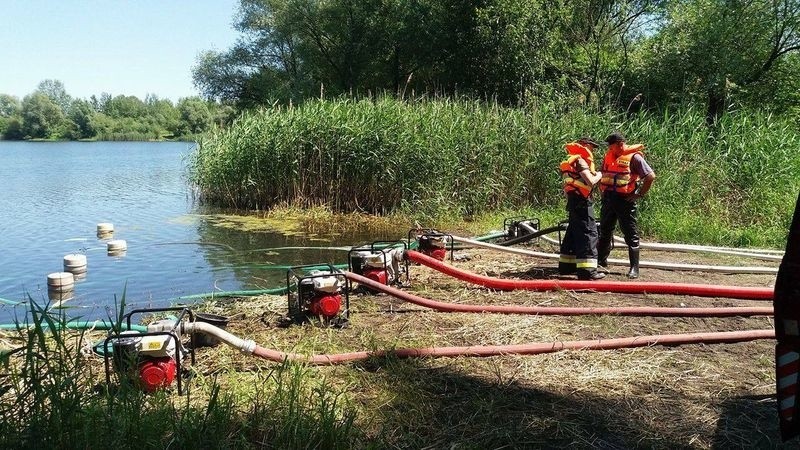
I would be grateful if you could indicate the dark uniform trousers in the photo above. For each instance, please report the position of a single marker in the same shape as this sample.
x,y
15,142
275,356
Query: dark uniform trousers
x,y
579,246
614,208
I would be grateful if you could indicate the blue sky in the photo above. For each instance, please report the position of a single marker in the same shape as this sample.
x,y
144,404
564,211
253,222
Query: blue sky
x,y
132,47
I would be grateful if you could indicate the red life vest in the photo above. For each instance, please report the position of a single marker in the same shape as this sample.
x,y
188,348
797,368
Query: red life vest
x,y
573,182
617,175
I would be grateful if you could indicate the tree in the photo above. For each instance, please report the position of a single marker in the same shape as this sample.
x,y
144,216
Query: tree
x,y
125,106
80,114
595,38
710,50
9,105
54,89
195,116
41,117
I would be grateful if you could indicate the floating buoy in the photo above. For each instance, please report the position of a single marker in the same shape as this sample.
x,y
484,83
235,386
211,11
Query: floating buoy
x,y
105,230
58,297
75,263
60,281
117,245
105,227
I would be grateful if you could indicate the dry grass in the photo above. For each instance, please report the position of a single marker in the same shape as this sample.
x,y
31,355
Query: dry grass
x,y
693,396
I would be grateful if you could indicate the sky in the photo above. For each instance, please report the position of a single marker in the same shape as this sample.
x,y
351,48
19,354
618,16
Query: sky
x,y
122,47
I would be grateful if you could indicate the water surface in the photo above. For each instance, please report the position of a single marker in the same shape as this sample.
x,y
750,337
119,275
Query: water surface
x,y
55,194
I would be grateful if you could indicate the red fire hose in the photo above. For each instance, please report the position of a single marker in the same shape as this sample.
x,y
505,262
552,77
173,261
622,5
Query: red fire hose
x,y
651,311
700,290
524,349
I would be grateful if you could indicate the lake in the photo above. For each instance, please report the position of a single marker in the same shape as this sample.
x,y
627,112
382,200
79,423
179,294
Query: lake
x,y
55,194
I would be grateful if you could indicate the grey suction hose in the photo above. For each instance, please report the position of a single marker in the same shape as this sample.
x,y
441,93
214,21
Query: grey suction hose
x,y
244,345
625,262
619,243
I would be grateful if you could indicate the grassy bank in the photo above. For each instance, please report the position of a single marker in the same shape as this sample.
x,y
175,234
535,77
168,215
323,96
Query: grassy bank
x,y
734,184
54,394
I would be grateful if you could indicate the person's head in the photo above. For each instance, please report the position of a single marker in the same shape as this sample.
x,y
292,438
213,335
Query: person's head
x,y
588,142
615,139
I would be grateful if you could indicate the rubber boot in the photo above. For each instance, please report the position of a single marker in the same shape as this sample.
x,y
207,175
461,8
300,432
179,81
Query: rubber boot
x,y
590,274
603,251
633,256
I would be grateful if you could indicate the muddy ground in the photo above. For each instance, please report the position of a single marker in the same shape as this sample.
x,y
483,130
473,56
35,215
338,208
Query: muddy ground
x,y
693,396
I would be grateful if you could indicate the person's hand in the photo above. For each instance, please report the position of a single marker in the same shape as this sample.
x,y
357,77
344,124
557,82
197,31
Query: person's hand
x,y
633,197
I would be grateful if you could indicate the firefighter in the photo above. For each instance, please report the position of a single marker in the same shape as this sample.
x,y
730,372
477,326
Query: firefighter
x,y
626,178
579,246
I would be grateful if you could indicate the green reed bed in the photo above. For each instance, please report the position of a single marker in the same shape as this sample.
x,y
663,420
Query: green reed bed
x,y
731,184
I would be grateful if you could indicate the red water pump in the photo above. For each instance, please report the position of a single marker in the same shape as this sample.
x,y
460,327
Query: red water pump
x,y
380,261
432,243
321,294
151,360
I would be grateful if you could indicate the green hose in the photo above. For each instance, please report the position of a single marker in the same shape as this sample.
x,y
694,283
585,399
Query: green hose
x,y
490,236
222,294
75,325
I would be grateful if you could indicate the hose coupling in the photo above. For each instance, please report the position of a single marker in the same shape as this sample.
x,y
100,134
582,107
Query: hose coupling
x,y
248,346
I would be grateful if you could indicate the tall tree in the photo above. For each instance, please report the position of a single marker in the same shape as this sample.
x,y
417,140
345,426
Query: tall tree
x,y
710,49
55,90
41,117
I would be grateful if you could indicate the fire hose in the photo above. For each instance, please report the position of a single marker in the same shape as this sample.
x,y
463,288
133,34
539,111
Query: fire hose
x,y
687,248
623,287
625,262
537,348
649,311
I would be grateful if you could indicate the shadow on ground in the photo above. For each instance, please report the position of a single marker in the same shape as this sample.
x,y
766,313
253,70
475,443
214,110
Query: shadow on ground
x,y
442,407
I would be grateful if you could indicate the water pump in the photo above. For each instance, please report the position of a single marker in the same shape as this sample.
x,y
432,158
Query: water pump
x,y
519,226
380,261
431,242
321,294
150,360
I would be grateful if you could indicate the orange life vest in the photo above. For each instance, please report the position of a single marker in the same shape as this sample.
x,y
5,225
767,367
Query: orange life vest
x,y
617,175
573,182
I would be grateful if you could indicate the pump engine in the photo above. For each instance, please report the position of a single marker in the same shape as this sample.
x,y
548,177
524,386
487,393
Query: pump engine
x,y
320,293
432,243
381,261
151,360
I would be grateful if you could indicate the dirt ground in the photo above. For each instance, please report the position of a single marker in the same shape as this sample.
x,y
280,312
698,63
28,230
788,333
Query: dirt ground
x,y
693,396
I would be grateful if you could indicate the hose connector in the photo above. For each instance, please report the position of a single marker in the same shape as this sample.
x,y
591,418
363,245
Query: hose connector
x,y
248,346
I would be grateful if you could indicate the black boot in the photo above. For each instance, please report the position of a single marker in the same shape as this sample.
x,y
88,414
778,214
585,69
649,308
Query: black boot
x,y
590,274
603,250
633,256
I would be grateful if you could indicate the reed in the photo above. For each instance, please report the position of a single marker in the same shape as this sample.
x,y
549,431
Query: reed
x,y
433,159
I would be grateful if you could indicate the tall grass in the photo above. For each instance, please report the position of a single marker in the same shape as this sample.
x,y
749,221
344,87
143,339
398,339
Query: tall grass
x,y
438,158
53,395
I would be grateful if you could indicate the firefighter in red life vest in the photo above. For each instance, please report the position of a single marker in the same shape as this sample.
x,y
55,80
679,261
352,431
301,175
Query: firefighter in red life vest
x,y
626,178
579,246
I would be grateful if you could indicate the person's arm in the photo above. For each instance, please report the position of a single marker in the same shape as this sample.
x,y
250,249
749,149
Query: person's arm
x,y
590,179
647,181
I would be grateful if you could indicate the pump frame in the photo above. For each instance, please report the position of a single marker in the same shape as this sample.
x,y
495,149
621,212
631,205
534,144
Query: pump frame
x,y
371,247
431,232
510,225
297,316
172,334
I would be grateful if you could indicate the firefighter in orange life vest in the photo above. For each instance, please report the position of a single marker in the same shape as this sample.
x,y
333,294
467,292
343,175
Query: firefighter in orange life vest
x,y
626,178
579,246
